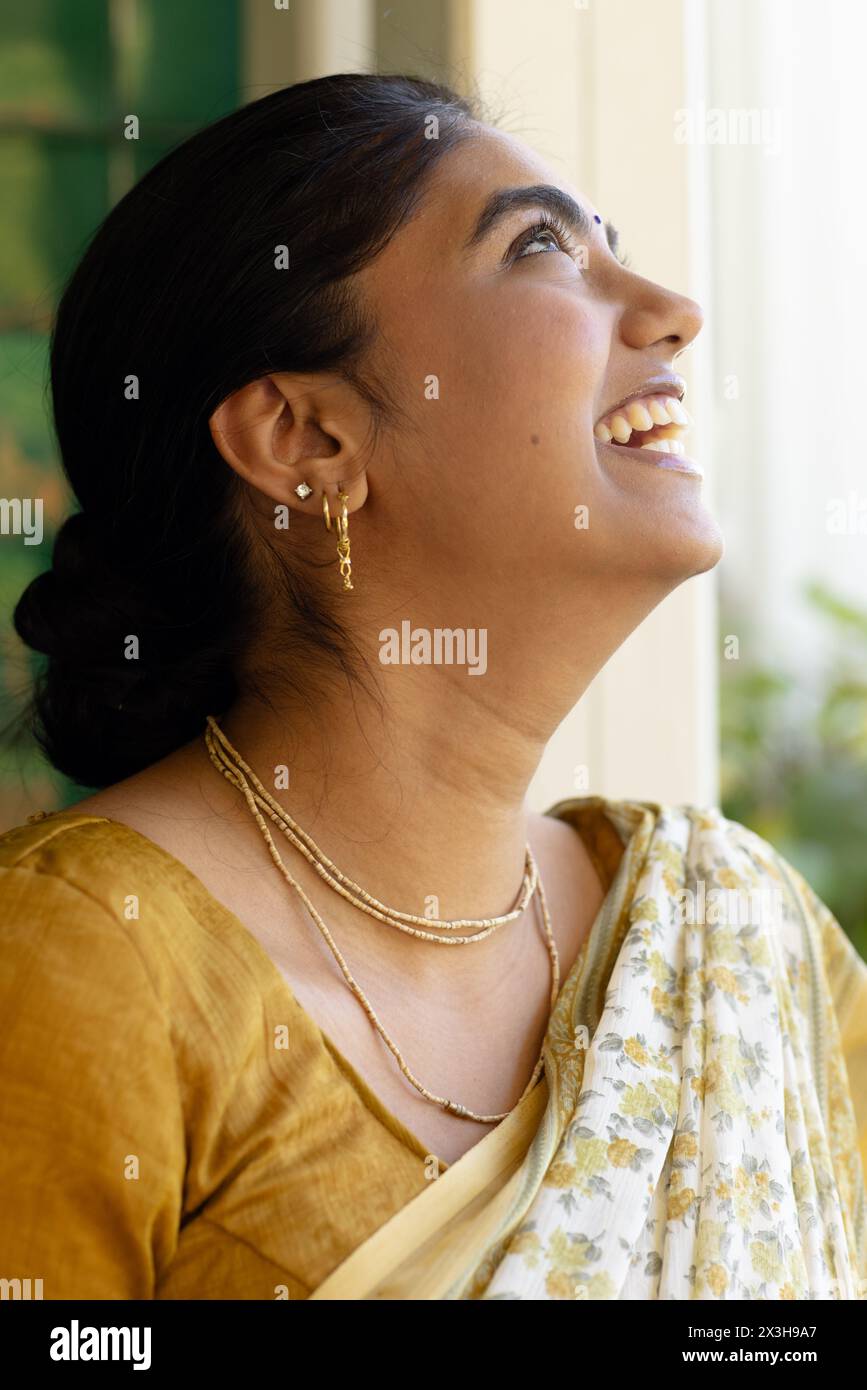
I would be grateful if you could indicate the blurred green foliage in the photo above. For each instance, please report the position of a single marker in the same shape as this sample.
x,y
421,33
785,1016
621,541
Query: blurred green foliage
x,y
794,759
69,74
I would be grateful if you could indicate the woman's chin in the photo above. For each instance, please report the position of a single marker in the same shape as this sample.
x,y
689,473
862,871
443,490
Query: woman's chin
x,y
692,544
656,516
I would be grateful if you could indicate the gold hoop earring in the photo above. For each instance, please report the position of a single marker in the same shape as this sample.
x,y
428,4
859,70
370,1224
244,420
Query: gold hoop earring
x,y
343,538
325,511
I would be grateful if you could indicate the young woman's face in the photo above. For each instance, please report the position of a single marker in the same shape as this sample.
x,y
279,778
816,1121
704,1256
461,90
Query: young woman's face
x,y
507,348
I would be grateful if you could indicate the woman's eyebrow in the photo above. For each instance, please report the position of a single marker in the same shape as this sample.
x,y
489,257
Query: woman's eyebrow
x,y
508,200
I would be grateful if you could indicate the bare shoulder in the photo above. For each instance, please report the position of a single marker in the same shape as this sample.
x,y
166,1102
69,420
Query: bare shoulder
x,y
183,783
179,802
182,805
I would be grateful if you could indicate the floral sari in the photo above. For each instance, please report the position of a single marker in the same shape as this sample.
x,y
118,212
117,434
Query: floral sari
x,y
700,1130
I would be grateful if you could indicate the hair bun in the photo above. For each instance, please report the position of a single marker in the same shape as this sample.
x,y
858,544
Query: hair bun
x,y
37,620
47,614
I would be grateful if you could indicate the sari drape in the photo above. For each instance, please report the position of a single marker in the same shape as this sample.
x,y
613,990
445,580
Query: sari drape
x,y
700,1130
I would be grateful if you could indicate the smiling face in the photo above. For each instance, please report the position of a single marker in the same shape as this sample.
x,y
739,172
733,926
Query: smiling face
x,y
533,480
533,334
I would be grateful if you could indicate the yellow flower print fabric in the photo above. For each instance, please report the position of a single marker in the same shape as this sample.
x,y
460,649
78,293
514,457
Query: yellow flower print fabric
x,y
701,1139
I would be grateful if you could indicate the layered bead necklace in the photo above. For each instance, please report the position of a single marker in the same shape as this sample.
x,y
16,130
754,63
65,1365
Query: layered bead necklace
x,y
261,803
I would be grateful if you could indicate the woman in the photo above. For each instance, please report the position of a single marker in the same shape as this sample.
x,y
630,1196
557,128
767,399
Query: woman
x,y
378,449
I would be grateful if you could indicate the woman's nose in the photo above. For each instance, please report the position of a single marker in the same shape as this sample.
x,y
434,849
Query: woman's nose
x,y
657,315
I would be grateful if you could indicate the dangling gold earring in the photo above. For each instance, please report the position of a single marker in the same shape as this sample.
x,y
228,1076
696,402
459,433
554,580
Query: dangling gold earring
x,y
342,524
343,538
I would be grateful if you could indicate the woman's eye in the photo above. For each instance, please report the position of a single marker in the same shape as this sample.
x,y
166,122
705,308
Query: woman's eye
x,y
536,239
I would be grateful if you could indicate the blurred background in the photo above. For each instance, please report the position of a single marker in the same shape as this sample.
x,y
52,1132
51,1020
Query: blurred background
x,y
725,139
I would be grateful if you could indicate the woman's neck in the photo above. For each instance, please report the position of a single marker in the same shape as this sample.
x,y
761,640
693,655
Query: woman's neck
x,y
430,805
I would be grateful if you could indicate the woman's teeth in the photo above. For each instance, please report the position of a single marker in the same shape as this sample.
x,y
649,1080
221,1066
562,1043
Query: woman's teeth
x,y
664,415
664,446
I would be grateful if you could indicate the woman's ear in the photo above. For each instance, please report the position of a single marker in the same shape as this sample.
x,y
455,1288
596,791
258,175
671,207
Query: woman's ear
x,y
285,430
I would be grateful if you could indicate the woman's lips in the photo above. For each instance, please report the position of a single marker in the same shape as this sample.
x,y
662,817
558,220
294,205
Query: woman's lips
x,y
675,463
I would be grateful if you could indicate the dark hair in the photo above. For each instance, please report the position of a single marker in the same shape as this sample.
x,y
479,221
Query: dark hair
x,y
178,288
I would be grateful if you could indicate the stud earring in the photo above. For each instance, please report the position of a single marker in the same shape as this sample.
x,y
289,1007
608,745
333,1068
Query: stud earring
x,y
303,491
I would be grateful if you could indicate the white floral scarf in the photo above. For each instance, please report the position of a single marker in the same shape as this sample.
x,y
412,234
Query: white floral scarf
x,y
700,1139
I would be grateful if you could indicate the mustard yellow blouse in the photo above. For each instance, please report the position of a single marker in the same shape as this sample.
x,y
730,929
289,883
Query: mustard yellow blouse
x,y
173,1124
